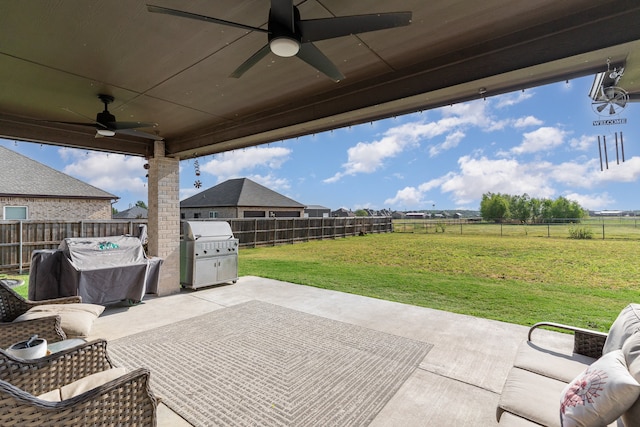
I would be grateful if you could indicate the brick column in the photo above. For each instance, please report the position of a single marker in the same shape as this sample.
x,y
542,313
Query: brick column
x,y
164,217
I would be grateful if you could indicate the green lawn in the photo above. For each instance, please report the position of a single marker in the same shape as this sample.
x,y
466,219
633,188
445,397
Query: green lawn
x,y
514,279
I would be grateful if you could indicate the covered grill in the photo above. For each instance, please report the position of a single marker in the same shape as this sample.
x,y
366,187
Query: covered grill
x,y
208,254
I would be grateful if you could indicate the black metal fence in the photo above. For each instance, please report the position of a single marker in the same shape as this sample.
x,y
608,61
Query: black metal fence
x,y
621,228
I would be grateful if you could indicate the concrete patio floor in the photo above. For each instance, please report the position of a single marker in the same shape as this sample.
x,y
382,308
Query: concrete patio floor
x,y
458,383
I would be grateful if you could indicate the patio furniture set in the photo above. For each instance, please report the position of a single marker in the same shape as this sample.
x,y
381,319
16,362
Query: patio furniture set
x,y
598,384
75,384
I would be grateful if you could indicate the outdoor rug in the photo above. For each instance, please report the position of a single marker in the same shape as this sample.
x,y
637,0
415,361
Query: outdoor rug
x,y
261,364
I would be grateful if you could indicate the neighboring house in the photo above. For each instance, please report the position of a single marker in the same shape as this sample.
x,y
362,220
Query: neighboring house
x,y
317,211
398,215
135,212
240,198
342,212
31,190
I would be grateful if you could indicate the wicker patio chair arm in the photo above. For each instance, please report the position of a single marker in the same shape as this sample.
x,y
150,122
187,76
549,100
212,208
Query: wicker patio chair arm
x,y
127,400
585,341
61,300
45,327
39,376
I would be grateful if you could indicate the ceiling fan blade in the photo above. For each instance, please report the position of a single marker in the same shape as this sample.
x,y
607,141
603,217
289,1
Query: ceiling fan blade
x,y
93,125
602,107
328,28
91,119
139,134
612,110
282,12
253,60
180,13
130,125
314,57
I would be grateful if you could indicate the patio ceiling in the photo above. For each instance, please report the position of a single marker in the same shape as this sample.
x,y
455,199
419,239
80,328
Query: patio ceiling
x,y
57,56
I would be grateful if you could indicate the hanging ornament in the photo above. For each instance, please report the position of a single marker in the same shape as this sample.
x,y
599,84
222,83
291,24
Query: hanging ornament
x,y
196,165
197,184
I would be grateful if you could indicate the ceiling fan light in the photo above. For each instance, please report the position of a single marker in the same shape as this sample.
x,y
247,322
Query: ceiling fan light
x,y
106,132
284,46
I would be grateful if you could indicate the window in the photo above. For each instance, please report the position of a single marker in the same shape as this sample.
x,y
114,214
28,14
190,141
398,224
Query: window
x,y
196,215
213,214
15,212
182,215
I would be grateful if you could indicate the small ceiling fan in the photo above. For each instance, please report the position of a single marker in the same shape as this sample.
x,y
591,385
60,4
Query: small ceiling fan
x,y
106,124
288,35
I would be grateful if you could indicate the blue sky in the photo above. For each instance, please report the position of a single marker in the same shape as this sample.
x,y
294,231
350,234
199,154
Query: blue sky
x,y
540,141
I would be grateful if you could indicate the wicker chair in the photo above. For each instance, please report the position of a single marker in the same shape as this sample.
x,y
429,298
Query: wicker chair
x,y
126,400
13,305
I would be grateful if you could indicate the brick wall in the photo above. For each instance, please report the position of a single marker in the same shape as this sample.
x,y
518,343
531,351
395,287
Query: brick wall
x,y
164,218
60,209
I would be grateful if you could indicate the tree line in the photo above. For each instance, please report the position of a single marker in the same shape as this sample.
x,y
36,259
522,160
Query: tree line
x,y
502,207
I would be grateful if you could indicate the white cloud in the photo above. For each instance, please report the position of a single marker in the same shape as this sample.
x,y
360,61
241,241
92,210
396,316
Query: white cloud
x,y
408,197
542,179
451,141
584,143
280,185
514,98
542,139
110,172
236,163
592,201
477,176
368,157
185,193
526,122
627,171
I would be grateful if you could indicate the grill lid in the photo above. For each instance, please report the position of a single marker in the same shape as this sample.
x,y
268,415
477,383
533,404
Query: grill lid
x,y
194,230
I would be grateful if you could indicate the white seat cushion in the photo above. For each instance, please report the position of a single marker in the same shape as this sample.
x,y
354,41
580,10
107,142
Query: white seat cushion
x,y
85,384
562,367
76,319
532,396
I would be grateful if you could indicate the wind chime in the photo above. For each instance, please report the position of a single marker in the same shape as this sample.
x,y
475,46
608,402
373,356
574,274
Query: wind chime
x,y
196,165
609,101
606,155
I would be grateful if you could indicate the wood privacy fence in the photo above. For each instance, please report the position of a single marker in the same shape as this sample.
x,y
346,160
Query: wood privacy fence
x,y
18,239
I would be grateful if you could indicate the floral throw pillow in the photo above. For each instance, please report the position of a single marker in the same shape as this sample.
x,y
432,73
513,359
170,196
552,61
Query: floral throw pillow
x,y
600,394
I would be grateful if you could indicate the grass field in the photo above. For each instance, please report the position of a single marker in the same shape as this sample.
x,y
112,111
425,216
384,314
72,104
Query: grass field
x,y
520,279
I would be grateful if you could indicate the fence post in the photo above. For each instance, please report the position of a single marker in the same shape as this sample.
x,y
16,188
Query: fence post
x,y
548,230
603,230
20,251
255,233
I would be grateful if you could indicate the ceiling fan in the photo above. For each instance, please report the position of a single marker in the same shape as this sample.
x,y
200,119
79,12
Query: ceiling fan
x,y
288,35
106,124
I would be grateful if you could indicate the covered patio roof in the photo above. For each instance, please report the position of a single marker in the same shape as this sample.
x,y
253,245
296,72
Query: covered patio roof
x,y
56,57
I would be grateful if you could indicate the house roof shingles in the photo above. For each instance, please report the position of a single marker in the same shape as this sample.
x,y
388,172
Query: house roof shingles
x,y
132,213
239,192
22,176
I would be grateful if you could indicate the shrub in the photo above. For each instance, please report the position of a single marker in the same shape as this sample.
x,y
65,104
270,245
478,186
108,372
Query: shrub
x,y
580,233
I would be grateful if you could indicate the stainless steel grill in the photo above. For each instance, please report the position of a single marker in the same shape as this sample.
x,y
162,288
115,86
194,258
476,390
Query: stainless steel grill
x,y
208,254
